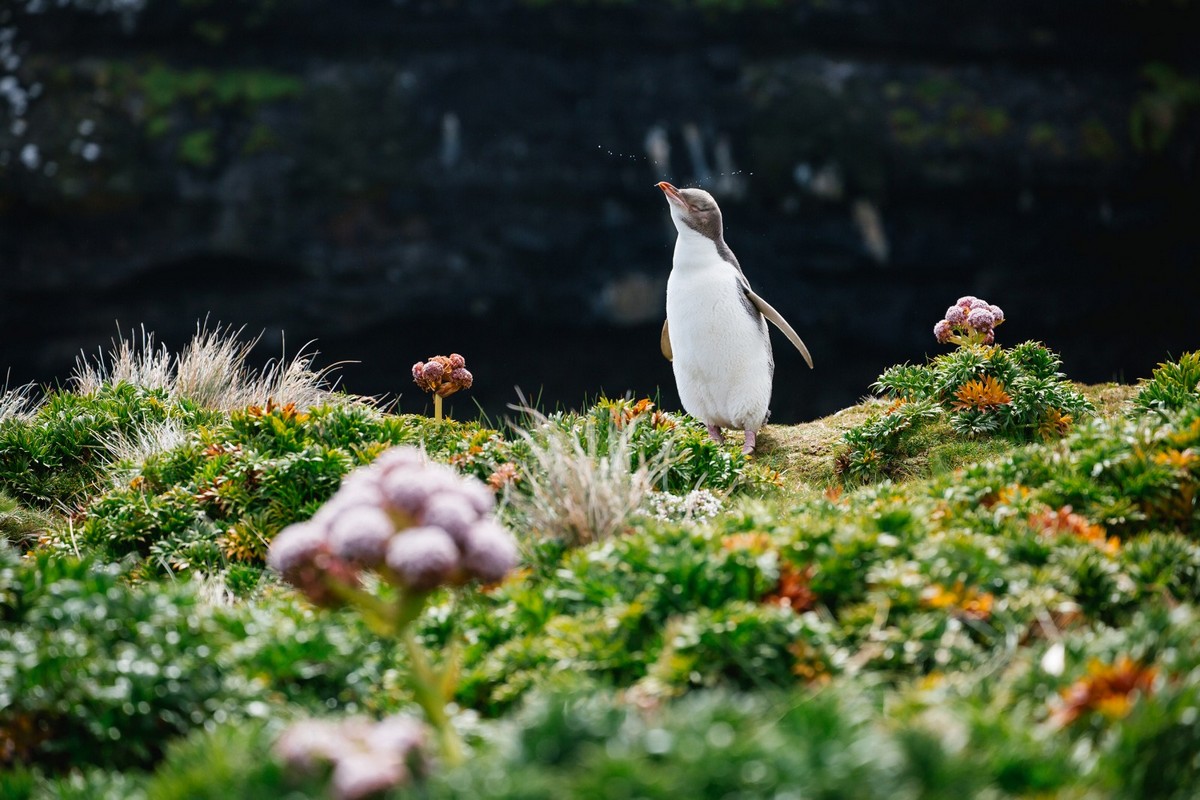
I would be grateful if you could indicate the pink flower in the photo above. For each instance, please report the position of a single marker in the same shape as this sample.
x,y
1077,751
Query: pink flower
x,y
423,557
418,370
491,551
296,547
360,533
432,371
408,490
942,331
365,774
981,319
308,742
451,512
462,377
477,494
368,757
457,361
956,315
966,301
997,314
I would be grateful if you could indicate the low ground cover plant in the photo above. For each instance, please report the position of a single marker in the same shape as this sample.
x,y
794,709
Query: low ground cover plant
x,y
980,390
1019,626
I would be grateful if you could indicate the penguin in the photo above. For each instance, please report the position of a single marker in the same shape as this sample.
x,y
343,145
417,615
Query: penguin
x,y
715,335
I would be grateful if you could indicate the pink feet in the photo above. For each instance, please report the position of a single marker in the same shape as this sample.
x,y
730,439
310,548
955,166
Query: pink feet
x,y
717,436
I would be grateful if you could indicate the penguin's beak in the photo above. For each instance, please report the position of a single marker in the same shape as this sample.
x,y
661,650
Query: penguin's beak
x,y
673,195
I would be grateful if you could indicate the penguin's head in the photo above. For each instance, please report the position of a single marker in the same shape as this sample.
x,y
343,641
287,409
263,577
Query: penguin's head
x,y
693,209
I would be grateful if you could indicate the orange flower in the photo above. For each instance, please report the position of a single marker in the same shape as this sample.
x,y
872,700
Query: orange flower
x,y
505,474
623,411
1054,424
981,394
239,544
287,412
1053,523
1181,460
756,542
1107,688
660,420
793,590
968,602
808,664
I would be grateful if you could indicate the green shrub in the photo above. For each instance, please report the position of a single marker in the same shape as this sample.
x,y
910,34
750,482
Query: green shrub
x,y
94,670
977,390
1172,386
58,456
20,526
228,761
707,745
217,500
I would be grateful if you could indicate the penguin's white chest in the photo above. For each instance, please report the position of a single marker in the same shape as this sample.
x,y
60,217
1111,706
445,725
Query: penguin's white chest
x,y
722,354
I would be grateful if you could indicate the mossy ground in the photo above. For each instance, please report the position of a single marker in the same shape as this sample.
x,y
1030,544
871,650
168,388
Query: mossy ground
x,y
803,454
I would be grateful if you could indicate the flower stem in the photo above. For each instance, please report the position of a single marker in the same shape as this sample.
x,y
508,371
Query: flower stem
x,y
437,407
429,697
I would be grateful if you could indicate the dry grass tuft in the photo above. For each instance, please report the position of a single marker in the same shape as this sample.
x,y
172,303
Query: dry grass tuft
x,y
579,491
17,403
212,371
138,445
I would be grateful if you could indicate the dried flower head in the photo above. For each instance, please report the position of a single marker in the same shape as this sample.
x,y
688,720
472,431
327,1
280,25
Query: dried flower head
x,y
442,375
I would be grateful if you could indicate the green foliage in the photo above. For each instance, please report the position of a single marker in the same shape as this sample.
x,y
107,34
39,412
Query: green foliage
x,y
230,761
217,500
97,672
58,455
204,109
1172,386
94,670
942,637
20,526
979,392
1162,110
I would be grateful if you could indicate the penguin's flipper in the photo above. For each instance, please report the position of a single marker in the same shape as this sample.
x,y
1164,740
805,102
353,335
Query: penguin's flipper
x,y
664,341
770,313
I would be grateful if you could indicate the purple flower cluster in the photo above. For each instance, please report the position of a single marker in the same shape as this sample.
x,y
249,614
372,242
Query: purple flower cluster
x,y
418,524
368,757
969,321
443,375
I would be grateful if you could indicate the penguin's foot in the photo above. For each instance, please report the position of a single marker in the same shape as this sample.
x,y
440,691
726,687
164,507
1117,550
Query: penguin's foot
x,y
751,440
715,432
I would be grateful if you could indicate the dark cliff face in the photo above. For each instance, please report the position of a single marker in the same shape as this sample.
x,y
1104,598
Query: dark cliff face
x,y
398,181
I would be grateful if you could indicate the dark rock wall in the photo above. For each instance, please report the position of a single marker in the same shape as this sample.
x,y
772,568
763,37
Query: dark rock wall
x,y
397,180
